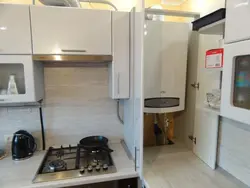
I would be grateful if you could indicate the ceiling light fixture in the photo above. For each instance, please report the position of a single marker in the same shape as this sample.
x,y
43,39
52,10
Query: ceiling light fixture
x,y
172,2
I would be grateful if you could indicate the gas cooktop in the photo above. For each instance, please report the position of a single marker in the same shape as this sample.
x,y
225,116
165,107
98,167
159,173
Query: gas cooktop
x,y
73,162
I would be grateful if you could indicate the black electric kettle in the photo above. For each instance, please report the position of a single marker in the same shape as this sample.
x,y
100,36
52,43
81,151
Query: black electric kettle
x,y
23,145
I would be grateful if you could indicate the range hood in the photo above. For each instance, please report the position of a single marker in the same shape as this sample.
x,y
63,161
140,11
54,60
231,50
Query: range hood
x,y
80,59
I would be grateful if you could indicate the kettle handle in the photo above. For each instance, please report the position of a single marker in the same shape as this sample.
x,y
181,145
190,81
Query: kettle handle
x,y
35,147
34,143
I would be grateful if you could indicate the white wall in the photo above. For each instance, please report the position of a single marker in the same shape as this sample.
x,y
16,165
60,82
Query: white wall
x,y
76,105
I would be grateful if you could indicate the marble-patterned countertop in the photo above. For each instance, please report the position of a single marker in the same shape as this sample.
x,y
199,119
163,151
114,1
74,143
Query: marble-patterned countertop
x,y
20,174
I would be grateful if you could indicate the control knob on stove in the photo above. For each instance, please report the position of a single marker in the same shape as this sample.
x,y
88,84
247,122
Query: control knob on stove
x,y
97,168
105,167
90,168
82,171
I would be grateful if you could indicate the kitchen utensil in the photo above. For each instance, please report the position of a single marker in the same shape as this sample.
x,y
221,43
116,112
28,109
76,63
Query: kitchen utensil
x,y
23,145
95,143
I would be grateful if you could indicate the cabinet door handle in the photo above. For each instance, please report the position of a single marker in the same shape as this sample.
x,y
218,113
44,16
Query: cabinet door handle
x,y
118,83
136,150
73,50
135,158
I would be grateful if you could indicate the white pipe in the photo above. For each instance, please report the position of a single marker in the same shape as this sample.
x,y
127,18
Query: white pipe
x,y
100,1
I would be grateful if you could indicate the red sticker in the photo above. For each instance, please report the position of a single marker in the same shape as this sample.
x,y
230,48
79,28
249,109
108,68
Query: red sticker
x,y
214,58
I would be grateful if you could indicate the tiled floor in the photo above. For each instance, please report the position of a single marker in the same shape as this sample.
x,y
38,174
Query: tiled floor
x,y
177,167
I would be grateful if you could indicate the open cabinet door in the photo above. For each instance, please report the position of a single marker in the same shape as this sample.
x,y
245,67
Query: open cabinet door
x,y
206,120
133,108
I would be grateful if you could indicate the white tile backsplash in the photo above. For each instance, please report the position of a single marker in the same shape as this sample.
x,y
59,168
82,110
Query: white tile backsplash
x,y
76,105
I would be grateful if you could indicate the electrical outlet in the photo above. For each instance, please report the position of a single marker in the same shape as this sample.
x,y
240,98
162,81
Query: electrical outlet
x,y
8,139
8,143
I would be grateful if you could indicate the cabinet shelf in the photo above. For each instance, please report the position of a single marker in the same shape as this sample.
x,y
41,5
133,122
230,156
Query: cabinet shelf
x,y
214,69
216,28
212,24
211,110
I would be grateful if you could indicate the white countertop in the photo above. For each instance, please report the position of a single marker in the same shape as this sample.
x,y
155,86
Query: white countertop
x,y
20,174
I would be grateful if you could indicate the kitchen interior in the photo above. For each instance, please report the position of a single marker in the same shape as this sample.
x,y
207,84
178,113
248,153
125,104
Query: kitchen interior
x,y
191,128
86,109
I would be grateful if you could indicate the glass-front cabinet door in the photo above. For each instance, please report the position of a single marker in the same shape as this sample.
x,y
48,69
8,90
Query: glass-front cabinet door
x,y
12,80
241,91
21,79
236,82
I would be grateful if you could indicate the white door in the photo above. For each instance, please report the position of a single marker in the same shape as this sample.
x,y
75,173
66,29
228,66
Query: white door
x,y
15,32
206,121
237,12
133,108
57,30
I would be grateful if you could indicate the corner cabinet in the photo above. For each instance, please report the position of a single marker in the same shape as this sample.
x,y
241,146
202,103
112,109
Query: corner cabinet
x,y
72,31
28,78
15,34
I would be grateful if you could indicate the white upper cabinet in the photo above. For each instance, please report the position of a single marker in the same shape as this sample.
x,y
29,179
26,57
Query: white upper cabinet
x,y
236,20
57,30
15,34
28,76
119,69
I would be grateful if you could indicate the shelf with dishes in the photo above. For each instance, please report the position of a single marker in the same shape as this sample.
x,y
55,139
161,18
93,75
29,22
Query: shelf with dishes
x,y
213,102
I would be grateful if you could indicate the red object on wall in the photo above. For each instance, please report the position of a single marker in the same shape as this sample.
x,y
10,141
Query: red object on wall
x,y
214,58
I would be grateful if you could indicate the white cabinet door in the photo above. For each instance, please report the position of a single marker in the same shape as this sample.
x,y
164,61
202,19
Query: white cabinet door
x,y
237,24
235,85
57,30
206,123
28,77
119,69
15,32
133,108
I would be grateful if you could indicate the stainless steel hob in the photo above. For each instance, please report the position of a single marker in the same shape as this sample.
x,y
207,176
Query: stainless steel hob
x,y
73,162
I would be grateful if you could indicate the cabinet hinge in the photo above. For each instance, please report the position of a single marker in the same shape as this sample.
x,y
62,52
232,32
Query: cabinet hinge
x,y
196,85
192,138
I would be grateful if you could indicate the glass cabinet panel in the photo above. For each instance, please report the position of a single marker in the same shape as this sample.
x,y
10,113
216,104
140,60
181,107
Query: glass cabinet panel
x,y
241,95
13,73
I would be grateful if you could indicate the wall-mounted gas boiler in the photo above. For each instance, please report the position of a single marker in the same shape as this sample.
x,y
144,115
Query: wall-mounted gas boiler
x,y
165,64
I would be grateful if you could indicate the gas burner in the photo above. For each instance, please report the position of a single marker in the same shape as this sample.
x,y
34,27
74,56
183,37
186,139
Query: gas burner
x,y
57,165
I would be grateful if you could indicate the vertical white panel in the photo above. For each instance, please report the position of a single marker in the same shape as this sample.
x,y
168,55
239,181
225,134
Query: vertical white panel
x,y
133,108
119,72
206,124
